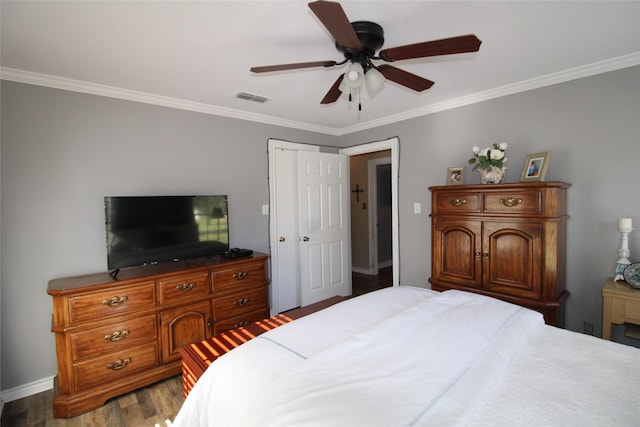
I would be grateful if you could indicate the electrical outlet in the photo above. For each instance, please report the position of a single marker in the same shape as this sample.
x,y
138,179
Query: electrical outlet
x,y
588,328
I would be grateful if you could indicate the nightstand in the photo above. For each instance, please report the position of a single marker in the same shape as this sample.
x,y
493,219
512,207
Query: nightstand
x,y
620,304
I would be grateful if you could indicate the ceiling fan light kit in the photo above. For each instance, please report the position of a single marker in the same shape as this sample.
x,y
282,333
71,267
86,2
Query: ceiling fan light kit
x,y
354,75
359,41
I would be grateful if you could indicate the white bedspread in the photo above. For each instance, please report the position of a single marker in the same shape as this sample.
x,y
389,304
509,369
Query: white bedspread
x,y
409,356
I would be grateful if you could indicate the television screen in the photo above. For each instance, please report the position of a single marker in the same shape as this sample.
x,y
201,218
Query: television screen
x,y
153,229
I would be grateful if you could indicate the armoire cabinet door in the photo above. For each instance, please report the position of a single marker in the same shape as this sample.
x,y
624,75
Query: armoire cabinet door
x,y
456,251
512,258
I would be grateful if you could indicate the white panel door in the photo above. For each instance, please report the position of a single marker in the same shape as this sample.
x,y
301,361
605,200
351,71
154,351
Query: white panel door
x,y
324,227
285,249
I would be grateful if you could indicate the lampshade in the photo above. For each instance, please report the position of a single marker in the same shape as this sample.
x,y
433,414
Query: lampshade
x,y
354,75
374,82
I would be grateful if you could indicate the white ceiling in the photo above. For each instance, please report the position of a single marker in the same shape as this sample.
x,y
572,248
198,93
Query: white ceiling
x,y
197,55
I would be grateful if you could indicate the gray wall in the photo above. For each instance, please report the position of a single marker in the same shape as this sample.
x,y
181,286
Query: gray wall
x,y
62,152
592,127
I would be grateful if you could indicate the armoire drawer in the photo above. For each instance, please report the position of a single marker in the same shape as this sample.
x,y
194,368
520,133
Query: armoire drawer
x,y
513,202
113,337
457,202
116,301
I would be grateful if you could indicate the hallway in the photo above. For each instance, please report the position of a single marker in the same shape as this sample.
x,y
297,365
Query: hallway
x,y
364,283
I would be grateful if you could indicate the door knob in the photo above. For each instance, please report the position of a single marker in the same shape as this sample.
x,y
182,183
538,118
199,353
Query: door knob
x,y
281,239
305,239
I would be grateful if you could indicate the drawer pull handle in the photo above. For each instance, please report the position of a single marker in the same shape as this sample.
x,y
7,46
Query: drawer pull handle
x,y
241,275
119,364
485,254
477,254
241,302
241,324
186,286
457,202
115,301
116,336
510,202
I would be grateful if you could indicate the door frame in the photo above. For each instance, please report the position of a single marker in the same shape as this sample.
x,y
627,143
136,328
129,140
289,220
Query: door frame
x,y
393,145
371,147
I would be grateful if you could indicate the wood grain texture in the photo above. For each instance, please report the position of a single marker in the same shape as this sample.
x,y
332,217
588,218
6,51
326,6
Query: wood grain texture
x,y
157,404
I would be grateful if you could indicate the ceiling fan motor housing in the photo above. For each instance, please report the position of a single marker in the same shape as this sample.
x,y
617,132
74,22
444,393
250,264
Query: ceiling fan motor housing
x,y
371,36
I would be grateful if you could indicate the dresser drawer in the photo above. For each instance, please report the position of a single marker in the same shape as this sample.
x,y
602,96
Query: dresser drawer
x,y
240,321
632,310
183,287
115,366
235,278
113,337
239,303
113,302
457,202
513,202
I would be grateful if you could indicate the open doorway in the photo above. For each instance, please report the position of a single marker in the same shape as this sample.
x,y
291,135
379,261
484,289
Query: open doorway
x,y
371,221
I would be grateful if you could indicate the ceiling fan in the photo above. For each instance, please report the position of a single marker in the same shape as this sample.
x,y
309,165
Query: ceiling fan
x,y
359,41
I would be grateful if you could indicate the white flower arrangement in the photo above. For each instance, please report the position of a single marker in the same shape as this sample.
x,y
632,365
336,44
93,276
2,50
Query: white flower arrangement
x,y
492,156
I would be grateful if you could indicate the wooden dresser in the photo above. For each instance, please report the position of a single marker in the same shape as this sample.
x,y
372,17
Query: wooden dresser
x,y
502,240
114,336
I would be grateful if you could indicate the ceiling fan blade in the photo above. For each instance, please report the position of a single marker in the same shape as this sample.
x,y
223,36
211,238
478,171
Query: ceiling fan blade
x,y
405,78
460,44
334,93
268,68
335,20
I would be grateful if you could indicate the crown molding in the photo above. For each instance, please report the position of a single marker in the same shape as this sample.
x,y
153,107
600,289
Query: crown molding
x,y
28,77
38,79
526,85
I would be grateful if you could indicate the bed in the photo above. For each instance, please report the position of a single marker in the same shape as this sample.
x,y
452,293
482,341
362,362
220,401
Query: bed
x,y
407,356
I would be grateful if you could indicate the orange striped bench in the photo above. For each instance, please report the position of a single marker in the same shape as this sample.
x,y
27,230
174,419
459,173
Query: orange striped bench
x,y
197,357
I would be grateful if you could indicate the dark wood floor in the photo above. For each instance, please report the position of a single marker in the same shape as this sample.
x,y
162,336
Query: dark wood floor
x,y
155,405
152,406
363,283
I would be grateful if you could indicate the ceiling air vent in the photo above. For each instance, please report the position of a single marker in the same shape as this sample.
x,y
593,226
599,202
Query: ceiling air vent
x,y
251,97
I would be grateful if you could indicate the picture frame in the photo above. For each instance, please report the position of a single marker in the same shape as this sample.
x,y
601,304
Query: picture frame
x,y
455,175
535,167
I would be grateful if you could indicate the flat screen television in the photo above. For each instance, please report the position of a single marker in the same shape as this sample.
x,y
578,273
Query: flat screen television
x,y
143,230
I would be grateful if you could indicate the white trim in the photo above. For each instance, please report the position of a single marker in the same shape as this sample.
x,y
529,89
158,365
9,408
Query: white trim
x,y
26,390
392,144
523,86
607,65
360,270
21,76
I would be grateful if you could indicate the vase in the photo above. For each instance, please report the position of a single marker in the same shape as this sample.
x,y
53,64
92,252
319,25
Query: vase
x,y
492,175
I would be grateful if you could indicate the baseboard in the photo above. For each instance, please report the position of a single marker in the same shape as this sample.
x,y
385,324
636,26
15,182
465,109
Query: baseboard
x,y
361,270
381,264
26,390
385,264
